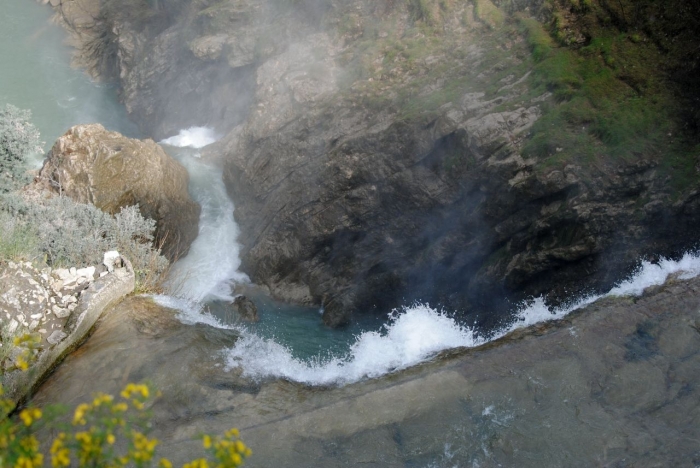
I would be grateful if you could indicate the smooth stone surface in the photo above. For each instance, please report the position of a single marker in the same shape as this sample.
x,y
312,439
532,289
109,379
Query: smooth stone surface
x,y
615,384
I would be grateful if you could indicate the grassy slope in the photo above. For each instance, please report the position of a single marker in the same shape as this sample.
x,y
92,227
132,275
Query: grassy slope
x,y
612,68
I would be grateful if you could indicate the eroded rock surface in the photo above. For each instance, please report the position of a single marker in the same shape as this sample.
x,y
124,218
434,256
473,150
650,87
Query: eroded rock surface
x,y
59,306
93,165
41,301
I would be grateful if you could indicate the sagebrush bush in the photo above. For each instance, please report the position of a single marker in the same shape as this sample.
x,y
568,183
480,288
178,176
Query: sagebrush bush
x,y
64,233
18,240
18,138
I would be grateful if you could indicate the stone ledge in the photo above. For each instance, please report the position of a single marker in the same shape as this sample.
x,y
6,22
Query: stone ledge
x,y
104,293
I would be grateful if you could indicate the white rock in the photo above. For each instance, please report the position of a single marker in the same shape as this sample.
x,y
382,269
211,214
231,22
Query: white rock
x,y
60,312
56,337
61,273
109,259
67,299
57,285
12,327
104,273
69,280
36,316
88,272
73,271
34,324
81,280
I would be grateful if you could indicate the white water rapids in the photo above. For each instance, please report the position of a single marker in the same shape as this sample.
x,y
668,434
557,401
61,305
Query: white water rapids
x,y
413,335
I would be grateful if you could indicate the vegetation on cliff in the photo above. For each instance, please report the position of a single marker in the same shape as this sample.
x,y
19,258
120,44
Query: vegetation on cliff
x,y
59,232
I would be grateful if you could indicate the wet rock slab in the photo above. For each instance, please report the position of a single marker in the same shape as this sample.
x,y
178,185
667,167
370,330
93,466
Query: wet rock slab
x,y
616,384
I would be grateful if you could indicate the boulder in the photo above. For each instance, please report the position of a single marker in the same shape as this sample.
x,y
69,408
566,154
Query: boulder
x,y
246,309
93,165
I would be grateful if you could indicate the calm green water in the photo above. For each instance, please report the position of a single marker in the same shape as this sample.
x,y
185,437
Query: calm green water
x,y
36,75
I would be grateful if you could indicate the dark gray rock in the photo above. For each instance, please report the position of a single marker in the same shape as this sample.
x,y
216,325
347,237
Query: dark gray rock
x,y
246,309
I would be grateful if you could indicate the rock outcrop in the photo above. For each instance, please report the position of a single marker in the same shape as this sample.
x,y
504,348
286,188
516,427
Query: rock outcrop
x,y
58,306
92,165
245,308
380,152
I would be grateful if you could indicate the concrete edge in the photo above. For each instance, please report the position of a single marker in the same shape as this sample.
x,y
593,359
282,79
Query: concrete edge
x,y
102,294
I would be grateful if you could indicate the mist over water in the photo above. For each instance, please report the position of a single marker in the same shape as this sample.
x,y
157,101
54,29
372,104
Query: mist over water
x,y
412,335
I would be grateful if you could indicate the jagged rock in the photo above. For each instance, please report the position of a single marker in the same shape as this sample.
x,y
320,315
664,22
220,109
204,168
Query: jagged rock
x,y
56,337
88,272
246,309
60,312
111,171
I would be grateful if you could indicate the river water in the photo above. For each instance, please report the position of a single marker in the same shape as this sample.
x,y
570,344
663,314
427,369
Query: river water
x,y
36,75
305,395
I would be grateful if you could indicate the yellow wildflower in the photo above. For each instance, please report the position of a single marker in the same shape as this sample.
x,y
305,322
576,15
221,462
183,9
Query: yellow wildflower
x,y
137,404
79,415
22,364
29,415
119,408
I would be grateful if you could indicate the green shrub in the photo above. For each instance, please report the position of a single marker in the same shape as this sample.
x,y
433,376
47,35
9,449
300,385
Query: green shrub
x,y
489,13
18,240
65,233
18,138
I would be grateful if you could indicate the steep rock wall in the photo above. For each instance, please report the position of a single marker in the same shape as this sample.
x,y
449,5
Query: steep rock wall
x,y
462,153
92,165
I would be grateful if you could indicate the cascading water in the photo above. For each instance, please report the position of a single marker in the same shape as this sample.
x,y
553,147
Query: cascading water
x,y
412,335
211,266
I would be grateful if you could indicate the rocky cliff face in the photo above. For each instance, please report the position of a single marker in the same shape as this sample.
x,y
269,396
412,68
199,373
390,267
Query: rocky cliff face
x,y
462,153
92,165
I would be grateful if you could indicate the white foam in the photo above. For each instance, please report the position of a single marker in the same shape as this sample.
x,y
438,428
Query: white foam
x,y
193,137
189,312
419,332
210,267
411,337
